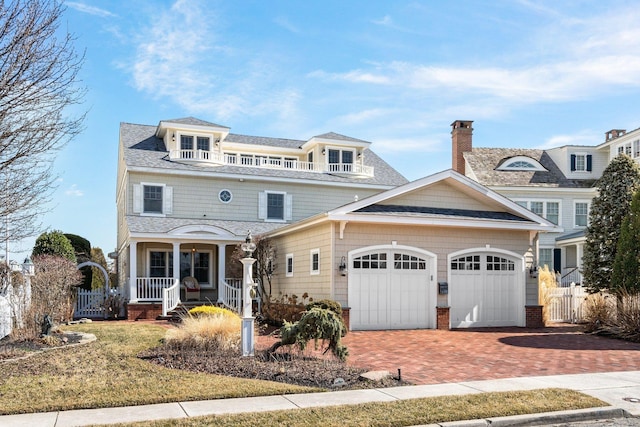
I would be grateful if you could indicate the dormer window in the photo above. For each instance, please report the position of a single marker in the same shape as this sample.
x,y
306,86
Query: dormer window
x,y
521,163
581,162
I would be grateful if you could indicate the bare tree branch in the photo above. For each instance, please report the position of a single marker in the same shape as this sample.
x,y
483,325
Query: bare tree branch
x,y
39,84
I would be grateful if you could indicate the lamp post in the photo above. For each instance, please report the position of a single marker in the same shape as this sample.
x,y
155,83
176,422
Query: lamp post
x,y
248,290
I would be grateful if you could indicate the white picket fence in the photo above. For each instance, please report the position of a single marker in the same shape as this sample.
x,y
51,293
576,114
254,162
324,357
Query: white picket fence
x,y
91,304
567,304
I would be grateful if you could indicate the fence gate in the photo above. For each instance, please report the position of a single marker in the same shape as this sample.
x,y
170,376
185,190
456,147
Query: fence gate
x,y
567,304
90,303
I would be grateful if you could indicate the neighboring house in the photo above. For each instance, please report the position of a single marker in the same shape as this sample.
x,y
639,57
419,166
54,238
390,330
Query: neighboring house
x,y
557,184
345,226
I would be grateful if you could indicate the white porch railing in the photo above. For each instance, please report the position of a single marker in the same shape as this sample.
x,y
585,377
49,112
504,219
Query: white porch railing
x,y
230,294
570,276
170,297
567,304
151,288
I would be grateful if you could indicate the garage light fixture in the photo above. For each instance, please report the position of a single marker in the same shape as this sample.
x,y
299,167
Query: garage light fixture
x,y
343,267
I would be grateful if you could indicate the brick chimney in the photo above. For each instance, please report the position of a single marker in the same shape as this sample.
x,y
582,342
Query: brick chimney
x,y
613,134
461,136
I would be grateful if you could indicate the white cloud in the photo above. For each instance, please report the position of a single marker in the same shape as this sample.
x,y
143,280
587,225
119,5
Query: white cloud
x,y
584,137
73,191
386,21
284,22
91,10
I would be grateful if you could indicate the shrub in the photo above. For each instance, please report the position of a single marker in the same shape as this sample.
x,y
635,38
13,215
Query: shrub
x,y
327,304
286,308
206,333
210,310
315,324
54,243
597,311
546,284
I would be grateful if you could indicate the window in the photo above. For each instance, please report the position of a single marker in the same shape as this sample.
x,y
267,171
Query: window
x,y
581,213
315,261
203,143
546,209
225,196
195,264
469,262
186,142
581,162
152,199
553,212
545,257
274,206
636,148
340,160
289,265
377,261
496,263
408,262
520,163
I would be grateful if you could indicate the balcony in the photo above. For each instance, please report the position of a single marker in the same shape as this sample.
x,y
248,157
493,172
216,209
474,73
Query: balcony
x,y
219,159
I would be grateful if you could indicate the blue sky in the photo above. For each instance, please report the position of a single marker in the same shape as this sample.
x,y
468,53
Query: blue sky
x,y
396,73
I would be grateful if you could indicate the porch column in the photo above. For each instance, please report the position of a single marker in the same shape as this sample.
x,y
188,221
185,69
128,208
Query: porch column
x,y
222,249
176,260
579,255
133,271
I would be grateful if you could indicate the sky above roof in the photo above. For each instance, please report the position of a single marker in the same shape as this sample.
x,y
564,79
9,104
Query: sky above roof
x,y
529,74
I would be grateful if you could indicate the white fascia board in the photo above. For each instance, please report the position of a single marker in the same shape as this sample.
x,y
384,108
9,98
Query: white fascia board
x,y
173,172
442,222
166,237
570,242
311,221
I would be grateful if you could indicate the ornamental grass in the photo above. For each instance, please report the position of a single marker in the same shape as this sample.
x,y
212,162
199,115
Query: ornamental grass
x,y
206,333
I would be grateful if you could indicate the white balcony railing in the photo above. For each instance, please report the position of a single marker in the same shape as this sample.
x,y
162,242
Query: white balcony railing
x,y
216,158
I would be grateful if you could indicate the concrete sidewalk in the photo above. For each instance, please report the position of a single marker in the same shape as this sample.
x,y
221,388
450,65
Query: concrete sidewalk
x,y
621,390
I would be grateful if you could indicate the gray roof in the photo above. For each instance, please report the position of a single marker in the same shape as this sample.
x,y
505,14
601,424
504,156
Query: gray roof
x,y
146,224
423,211
194,121
573,235
142,148
484,161
338,137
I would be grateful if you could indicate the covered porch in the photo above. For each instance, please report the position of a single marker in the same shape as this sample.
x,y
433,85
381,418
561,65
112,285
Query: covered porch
x,y
571,248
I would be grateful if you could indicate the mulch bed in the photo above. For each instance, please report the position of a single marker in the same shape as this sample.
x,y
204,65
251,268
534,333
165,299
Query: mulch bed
x,y
13,348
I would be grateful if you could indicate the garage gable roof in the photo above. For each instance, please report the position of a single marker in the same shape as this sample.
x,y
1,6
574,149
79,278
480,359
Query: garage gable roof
x,y
502,210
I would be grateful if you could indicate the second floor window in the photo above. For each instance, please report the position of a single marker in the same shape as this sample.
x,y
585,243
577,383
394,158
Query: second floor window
x,y
340,160
186,142
274,206
203,143
581,214
548,210
152,199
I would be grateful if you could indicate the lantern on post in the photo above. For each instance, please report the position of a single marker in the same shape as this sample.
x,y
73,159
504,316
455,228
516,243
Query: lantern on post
x,y
248,291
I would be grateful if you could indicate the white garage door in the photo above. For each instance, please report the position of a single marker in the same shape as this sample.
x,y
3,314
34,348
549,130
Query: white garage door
x,y
486,289
389,289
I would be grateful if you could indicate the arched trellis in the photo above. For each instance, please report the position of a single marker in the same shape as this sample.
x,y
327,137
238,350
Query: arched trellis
x,y
101,268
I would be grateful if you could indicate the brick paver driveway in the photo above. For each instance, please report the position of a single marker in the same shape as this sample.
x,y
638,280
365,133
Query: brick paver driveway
x,y
431,356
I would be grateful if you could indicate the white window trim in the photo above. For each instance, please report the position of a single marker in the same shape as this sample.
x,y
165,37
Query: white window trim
x,y
263,208
286,265
588,202
551,248
544,206
220,195
311,254
195,136
581,171
340,149
536,165
138,199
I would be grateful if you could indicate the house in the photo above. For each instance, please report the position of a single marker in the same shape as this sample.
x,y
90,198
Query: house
x,y
189,190
437,252
557,184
